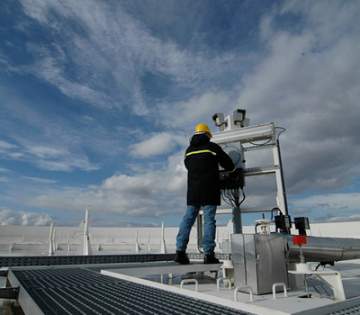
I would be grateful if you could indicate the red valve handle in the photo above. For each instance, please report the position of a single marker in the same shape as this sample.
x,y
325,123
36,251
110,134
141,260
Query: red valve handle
x,y
299,240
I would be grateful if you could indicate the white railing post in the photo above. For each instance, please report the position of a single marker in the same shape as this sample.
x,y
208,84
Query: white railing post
x,y
224,281
279,284
51,241
86,238
188,281
163,244
248,288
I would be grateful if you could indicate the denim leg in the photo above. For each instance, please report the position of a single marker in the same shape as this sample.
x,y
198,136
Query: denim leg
x,y
209,228
186,224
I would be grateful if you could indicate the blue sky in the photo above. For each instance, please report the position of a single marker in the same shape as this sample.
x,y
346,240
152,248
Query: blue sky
x,y
99,98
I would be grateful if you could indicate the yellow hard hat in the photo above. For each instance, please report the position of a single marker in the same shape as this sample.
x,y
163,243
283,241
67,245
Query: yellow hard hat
x,y
202,128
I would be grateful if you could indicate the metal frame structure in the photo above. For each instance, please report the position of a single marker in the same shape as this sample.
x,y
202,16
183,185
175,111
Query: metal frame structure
x,y
245,136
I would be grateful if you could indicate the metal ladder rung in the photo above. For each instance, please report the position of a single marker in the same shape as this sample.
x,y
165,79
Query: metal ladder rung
x,y
253,171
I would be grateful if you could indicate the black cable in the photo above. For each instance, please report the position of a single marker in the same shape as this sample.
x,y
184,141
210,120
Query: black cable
x,y
282,129
232,196
243,193
260,144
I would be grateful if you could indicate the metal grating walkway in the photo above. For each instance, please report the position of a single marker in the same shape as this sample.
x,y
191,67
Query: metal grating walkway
x,y
81,291
13,261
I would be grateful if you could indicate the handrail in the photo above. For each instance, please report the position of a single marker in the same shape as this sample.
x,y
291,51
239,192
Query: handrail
x,y
224,280
188,281
278,284
247,287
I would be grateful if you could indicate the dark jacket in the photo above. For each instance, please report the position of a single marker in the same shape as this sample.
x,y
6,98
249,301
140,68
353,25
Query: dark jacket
x,y
202,159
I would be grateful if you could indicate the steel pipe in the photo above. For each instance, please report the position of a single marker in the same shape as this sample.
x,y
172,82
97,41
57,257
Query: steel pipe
x,y
325,249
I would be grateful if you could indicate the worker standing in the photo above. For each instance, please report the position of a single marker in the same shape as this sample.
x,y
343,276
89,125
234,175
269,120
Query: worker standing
x,y
202,160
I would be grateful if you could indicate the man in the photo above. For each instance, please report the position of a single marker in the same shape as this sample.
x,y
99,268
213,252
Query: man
x,y
202,159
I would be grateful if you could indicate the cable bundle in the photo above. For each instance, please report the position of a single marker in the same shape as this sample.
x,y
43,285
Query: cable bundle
x,y
232,197
231,184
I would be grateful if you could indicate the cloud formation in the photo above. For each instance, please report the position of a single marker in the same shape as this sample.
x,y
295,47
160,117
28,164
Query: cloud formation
x,y
308,82
196,109
110,52
157,144
329,206
152,192
47,156
11,217
302,73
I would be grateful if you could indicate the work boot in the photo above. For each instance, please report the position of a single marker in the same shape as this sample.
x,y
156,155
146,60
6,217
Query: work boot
x,y
181,258
211,259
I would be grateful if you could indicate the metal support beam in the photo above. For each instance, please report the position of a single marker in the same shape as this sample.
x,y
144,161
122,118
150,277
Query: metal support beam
x,y
280,182
237,224
247,134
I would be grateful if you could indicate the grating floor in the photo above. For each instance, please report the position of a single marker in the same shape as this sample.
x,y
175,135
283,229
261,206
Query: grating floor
x,y
13,261
81,291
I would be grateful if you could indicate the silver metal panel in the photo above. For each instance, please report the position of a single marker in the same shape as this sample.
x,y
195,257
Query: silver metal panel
x,y
259,261
251,262
240,253
270,261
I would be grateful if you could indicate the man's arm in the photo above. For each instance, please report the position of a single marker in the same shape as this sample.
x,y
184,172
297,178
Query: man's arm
x,y
224,160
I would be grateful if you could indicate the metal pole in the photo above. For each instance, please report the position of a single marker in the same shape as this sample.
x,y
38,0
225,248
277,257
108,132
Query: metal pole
x,y
280,183
282,177
199,225
237,224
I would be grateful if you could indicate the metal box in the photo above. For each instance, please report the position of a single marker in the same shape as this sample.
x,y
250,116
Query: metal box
x,y
259,261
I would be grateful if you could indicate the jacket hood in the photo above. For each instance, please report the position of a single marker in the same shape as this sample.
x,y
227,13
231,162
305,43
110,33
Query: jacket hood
x,y
198,140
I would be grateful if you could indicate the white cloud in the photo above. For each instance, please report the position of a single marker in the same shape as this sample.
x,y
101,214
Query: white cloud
x,y
109,60
46,156
66,164
6,146
308,82
46,151
55,142
159,143
11,217
40,180
329,206
197,108
333,201
52,70
148,193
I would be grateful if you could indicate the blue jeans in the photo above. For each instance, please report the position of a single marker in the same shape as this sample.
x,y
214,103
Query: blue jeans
x,y
187,222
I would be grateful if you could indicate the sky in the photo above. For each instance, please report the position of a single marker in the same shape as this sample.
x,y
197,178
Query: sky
x,y
98,100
